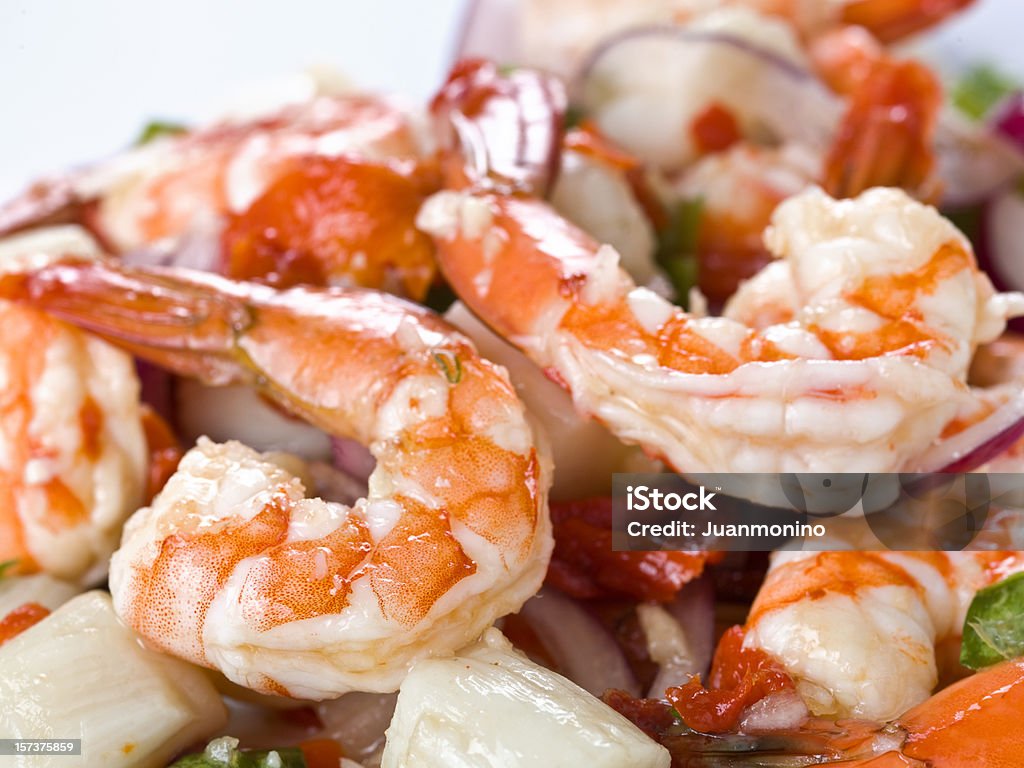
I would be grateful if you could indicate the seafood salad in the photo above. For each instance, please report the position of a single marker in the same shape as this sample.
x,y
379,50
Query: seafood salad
x,y
309,417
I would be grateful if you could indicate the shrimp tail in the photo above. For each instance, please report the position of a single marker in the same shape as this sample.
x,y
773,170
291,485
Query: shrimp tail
x,y
886,137
480,108
891,20
188,324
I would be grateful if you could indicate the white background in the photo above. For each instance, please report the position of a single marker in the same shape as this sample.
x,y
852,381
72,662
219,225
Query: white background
x,y
78,78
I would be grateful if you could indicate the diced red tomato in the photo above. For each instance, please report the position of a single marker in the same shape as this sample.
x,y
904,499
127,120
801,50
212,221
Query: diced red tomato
x,y
322,753
164,451
739,677
714,129
20,619
585,566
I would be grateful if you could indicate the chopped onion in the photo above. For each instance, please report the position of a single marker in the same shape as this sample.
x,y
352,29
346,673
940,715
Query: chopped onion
x,y
490,28
199,249
1008,120
694,609
358,721
778,711
157,389
332,484
680,635
352,457
583,649
782,98
1001,240
979,443
975,162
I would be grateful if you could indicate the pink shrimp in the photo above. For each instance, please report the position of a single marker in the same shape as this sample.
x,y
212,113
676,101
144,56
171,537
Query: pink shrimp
x,y
233,568
865,373
73,455
322,192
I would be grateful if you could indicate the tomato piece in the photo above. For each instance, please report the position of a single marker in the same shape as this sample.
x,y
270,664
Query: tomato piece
x,y
652,716
322,753
164,451
20,619
335,221
739,677
585,566
714,129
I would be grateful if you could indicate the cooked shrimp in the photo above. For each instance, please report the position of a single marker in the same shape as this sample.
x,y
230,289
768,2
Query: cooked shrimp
x,y
233,568
324,191
971,722
858,631
73,454
864,377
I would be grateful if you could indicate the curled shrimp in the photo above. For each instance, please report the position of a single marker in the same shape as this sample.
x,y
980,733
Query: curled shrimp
x,y
73,453
971,722
859,631
866,373
322,191
233,568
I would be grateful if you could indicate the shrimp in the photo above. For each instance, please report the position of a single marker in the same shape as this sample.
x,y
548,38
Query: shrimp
x,y
73,452
887,135
324,191
866,375
971,722
231,567
858,631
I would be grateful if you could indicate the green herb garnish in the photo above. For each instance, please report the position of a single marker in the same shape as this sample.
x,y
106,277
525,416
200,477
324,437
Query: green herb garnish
x,y
574,115
5,566
224,753
677,246
450,365
157,129
994,627
980,89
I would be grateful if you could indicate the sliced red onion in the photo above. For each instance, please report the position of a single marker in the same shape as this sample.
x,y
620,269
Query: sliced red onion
x,y
975,162
694,609
199,248
1008,120
157,389
358,721
332,484
979,443
785,99
1001,240
489,29
680,635
583,649
352,458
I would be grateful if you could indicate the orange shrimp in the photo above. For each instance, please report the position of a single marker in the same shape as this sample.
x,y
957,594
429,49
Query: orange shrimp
x,y
859,631
887,135
971,722
72,450
323,191
866,372
233,568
